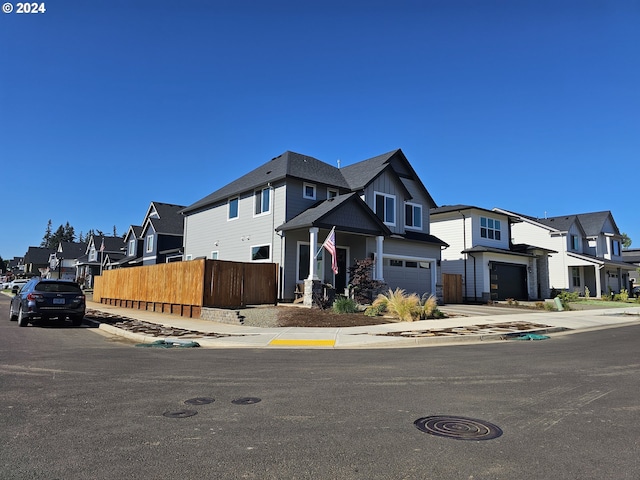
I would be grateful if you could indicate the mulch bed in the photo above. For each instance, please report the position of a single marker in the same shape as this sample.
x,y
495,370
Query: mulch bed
x,y
315,317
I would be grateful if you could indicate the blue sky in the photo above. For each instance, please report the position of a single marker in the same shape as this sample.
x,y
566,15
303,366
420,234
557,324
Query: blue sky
x,y
105,106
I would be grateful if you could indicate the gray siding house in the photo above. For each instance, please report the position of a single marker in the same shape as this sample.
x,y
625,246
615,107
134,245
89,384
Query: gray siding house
x,y
282,212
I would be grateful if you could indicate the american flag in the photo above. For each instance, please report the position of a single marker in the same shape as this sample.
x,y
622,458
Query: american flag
x,y
102,246
330,245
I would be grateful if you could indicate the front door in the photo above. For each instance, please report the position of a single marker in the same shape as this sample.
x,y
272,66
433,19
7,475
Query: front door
x,y
341,277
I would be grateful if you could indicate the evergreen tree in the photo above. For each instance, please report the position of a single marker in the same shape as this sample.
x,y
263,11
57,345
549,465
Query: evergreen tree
x,y
69,233
46,240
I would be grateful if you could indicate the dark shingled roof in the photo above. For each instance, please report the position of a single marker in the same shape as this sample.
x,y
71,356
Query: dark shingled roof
x,y
314,216
289,164
171,221
38,255
294,165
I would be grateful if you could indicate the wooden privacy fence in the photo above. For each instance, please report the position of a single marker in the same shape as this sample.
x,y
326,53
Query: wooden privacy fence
x,y
184,288
452,288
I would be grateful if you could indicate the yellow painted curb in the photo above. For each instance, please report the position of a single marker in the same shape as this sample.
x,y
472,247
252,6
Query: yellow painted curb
x,y
303,343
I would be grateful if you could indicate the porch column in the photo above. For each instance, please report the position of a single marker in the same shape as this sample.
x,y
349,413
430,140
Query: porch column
x,y
379,263
598,271
313,248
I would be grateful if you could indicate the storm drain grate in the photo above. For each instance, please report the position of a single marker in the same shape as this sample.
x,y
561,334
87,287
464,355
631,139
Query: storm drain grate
x,y
245,401
180,413
199,401
460,428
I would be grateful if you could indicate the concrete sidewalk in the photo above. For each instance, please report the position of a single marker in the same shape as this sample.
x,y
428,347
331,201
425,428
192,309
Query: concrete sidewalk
x,y
148,327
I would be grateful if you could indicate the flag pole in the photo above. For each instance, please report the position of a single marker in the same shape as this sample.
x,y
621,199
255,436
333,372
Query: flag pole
x,y
323,243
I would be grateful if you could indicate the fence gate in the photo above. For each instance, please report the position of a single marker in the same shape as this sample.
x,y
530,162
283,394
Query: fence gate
x,y
452,288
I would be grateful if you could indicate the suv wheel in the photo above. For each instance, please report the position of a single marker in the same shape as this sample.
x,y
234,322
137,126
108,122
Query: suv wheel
x,y
12,316
23,321
76,320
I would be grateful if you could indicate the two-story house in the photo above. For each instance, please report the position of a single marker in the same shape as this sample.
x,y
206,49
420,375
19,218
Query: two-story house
x,y
62,263
480,251
162,234
36,261
284,210
99,250
134,244
589,247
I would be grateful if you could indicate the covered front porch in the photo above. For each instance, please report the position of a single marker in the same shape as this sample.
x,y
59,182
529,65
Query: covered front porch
x,y
595,277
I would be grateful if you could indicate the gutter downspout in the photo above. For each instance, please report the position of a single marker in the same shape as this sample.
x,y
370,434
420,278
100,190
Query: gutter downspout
x,y
475,282
464,241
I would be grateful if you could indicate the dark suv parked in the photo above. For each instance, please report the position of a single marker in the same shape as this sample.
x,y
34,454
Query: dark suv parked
x,y
46,299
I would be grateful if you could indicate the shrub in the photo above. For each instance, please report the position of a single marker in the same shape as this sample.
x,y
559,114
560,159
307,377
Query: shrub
x,y
623,296
405,307
430,307
362,284
375,310
567,297
343,304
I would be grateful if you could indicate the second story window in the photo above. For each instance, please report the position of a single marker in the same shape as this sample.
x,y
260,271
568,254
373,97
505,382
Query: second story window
x,y
386,208
149,243
309,191
262,201
575,243
615,247
413,215
331,193
132,247
233,208
490,228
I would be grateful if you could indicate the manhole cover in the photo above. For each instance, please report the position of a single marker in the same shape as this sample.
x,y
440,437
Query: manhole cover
x,y
199,401
180,413
246,401
460,428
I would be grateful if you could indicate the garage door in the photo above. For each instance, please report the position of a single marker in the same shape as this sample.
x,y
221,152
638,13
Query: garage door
x,y
508,281
411,276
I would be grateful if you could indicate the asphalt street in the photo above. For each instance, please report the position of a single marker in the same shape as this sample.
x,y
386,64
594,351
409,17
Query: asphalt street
x,y
77,404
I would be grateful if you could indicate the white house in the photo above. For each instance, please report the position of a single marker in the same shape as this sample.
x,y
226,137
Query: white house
x,y
589,247
481,252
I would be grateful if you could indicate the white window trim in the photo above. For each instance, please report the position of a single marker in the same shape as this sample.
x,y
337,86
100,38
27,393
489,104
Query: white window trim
x,y
215,254
304,191
499,230
258,245
332,190
229,217
395,203
189,257
148,248
132,247
264,212
413,227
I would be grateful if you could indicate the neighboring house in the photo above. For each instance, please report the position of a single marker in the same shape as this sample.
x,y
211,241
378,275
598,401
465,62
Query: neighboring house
x,y
62,263
589,247
133,242
632,256
481,252
161,233
36,261
284,210
16,265
92,262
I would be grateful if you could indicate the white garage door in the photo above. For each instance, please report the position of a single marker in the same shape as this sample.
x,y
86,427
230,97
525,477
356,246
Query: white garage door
x,y
410,275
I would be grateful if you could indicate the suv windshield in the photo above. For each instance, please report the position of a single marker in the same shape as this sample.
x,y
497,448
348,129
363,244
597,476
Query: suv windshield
x,y
62,287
